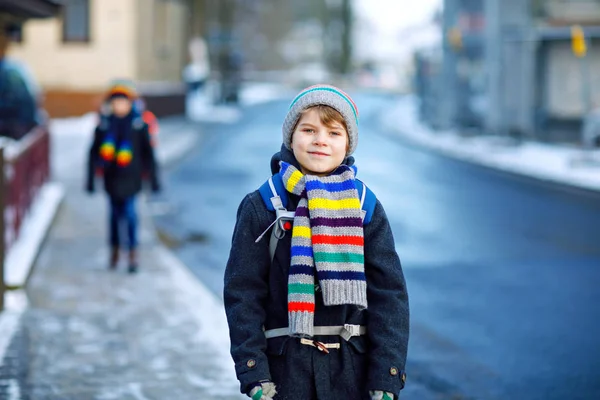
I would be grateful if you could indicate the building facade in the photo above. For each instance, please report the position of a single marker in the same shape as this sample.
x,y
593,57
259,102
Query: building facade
x,y
513,72
75,55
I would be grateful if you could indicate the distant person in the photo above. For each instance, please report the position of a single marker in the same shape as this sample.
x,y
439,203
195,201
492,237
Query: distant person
x,y
122,150
591,128
141,108
19,96
318,309
196,73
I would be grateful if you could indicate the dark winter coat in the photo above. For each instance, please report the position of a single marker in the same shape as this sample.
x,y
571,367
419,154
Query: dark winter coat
x,y
124,182
255,295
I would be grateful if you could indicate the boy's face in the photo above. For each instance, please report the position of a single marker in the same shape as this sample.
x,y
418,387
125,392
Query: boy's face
x,y
318,148
121,106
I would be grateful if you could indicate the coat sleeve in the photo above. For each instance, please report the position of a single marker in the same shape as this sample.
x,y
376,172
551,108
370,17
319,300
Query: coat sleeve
x,y
387,312
149,158
93,158
245,294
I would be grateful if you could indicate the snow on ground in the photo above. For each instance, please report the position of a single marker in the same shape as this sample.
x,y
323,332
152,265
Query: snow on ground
x,y
553,163
74,134
15,303
208,309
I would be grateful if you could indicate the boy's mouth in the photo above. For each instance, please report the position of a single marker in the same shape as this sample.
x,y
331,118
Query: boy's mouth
x,y
318,153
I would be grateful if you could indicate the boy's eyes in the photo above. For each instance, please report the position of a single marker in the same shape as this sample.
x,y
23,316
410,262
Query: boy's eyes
x,y
309,130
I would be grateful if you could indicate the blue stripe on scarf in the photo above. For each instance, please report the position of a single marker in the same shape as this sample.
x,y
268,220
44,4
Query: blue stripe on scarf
x,y
302,251
330,186
301,269
342,275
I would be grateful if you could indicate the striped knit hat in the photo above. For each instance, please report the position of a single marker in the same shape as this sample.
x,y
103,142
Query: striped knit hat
x,y
323,95
122,88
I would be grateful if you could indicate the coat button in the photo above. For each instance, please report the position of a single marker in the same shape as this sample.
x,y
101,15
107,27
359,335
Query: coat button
x,y
393,371
251,363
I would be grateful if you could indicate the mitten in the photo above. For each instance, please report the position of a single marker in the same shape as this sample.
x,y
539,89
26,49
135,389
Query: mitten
x,y
155,187
90,187
380,395
264,390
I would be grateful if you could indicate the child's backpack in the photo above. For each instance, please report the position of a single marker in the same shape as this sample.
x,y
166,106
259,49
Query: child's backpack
x,y
153,128
275,198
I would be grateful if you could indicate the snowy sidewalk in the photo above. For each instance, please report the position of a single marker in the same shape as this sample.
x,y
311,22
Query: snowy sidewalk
x,y
550,163
87,332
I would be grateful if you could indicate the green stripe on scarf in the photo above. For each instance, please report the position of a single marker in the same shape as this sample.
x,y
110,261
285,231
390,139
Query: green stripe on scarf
x,y
339,257
302,288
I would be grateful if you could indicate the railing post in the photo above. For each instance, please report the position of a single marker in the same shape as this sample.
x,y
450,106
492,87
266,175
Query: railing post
x,y
2,228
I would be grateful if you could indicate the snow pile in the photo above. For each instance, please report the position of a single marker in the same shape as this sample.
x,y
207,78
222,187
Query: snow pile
x,y
553,163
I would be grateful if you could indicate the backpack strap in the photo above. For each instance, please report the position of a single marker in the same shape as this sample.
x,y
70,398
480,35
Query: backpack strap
x,y
137,123
273,189
275,198
368,201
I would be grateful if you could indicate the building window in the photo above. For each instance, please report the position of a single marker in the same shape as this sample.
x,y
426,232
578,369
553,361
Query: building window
x,y
14,32
76,21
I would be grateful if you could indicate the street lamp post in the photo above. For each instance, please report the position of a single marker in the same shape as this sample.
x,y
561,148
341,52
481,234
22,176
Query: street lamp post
x,y
590,124
2,228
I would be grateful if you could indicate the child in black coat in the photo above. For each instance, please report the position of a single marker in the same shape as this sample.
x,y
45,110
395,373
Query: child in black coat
x,y
327,316
122,152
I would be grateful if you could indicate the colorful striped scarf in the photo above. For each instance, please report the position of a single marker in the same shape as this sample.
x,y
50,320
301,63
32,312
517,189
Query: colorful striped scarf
x,y
327,237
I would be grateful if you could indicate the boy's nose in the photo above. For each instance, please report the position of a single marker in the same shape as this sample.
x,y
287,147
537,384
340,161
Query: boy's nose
x,y
320,138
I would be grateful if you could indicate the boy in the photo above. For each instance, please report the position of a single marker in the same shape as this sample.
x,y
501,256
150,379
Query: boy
x,y
121,149
327,316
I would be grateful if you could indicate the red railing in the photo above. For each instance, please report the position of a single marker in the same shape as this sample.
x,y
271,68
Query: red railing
x,y
25,167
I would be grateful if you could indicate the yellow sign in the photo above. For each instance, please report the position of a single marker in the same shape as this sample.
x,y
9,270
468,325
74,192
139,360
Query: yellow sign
x,y
455,38
578,41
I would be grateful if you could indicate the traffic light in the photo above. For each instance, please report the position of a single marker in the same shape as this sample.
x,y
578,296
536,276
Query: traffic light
x,y
578,41
455,38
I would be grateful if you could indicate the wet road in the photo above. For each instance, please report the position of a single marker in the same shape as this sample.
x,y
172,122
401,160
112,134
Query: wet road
x,y
503,274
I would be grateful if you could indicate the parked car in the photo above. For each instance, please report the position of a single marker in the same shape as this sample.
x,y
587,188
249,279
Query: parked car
x,y
19,100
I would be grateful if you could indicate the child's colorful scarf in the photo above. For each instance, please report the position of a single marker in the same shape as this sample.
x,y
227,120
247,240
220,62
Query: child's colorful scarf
x,y
327,236
123,155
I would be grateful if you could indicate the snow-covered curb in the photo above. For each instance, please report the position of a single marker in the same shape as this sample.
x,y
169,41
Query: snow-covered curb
x,y
15,303
550,163
21,255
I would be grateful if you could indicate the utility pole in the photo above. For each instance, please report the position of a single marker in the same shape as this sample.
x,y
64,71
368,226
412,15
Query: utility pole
x,y
579,48
449,93
346,56
2,228
222,37
494,66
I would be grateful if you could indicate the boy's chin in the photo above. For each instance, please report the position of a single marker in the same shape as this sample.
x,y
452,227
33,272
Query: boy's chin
x,y
319,170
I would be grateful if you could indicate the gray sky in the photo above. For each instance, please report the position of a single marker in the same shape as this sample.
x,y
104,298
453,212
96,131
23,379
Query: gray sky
x,y
381,23
390,16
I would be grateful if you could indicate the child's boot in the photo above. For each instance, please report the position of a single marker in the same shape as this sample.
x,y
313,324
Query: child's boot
x,y
133,265
114,257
